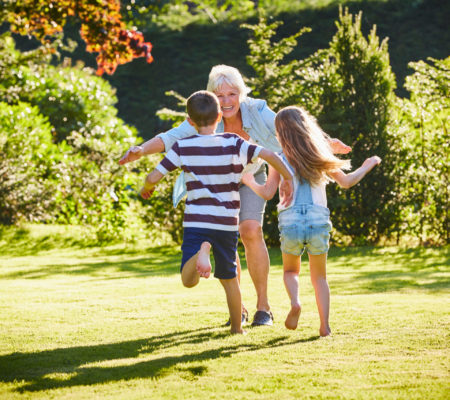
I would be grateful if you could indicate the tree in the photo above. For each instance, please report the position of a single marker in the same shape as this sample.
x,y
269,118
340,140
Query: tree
x,y
357,104
423,171
102,27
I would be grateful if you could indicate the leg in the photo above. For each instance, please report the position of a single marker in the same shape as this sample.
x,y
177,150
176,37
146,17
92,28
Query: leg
x,y
190,274
238,267
244,310
318,269
291,268
257,260
239,270
233,293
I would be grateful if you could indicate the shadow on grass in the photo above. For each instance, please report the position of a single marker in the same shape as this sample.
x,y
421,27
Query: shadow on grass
x,y
67,365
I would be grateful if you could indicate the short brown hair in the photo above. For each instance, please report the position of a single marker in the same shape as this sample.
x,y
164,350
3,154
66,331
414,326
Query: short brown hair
x,y
203,108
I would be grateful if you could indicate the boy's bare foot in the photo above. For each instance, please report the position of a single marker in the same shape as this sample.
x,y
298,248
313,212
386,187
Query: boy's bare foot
x,y
238,332
324,332
203,262
293,316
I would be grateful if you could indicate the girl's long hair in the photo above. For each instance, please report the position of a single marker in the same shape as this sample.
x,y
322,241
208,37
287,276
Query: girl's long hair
x,y
305,146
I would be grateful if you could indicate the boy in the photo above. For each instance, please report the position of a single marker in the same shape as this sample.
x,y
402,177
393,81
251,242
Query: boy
x,y
212,164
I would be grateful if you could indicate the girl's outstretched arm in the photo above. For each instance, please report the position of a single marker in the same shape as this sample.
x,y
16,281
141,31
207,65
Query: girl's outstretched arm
x,y
266,191
348,180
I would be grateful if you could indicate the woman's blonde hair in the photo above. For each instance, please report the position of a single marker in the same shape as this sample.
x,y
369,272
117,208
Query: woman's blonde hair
x,y
306,146
221,74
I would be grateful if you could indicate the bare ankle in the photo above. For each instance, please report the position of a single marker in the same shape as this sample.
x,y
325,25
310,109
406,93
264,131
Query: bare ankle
x,y
325,331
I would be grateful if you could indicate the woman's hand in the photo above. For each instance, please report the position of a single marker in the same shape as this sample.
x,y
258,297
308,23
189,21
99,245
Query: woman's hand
x,y
134,153
339,147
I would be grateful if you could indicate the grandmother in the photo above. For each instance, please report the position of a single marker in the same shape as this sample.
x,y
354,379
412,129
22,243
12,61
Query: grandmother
x,y
252,120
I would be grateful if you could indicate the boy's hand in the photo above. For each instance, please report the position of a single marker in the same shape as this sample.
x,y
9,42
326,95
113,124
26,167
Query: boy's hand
x,y
286,192
339,147
134,153
371,162
147,191
248,178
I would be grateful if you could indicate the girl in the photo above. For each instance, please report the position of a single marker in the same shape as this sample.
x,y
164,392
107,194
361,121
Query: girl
x,y
305,223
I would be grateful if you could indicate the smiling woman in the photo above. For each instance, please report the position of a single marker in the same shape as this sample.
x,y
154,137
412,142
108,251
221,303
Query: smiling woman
x,y
252,120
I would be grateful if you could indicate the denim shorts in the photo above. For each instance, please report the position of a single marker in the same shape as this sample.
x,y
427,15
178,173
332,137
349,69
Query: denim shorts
x,y
223,244
303,227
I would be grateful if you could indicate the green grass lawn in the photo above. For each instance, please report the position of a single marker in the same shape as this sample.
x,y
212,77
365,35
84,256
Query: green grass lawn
x,y
81,322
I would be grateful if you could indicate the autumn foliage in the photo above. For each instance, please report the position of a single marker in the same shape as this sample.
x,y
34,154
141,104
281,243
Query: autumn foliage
x,y
102,27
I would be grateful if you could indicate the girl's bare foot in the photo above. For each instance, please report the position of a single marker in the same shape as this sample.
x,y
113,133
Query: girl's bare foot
x,y
293,316
238,332
203,262
324,332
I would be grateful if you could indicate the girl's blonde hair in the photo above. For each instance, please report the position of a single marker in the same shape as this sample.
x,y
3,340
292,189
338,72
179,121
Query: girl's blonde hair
x,y
306,146
221,74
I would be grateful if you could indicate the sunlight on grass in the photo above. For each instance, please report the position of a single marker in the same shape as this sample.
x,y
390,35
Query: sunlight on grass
x,y
115,322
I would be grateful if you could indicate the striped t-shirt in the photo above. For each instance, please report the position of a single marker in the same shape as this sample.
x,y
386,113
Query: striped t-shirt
x,y
213,166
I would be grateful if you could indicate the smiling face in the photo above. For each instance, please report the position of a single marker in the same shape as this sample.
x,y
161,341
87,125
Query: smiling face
x,y
229,100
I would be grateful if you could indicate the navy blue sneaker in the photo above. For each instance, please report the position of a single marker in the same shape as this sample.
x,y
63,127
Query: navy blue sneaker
x,y
263,318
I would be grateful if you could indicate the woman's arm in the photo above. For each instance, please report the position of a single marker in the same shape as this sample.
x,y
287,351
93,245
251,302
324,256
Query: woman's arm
x,y
266,191
348,180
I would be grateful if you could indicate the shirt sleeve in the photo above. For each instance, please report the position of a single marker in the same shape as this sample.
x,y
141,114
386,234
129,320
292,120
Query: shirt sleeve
x,y
173,135
267,115
171,161
247,152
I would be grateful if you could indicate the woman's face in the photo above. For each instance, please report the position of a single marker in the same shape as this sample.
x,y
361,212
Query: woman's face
x,y
229,100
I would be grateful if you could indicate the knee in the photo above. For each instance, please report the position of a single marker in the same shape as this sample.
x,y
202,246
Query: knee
x,y
251,232
188,284
318,281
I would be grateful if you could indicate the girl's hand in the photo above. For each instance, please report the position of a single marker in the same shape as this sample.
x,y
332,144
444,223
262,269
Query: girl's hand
x,y
339,147
371,162
286,192
248,178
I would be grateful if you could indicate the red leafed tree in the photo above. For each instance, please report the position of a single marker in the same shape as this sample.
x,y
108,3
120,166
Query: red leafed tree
x,y
102,27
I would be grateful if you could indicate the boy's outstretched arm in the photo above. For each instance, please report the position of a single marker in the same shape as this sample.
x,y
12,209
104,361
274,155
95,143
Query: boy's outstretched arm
x,y
286,186
348,180
266,191
149,184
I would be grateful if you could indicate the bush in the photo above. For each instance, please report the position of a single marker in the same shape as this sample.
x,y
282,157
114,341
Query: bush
x,y
423,184
28,165
71,138
357,103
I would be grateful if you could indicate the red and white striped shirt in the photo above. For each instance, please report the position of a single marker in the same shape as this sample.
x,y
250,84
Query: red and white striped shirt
x,y
213,166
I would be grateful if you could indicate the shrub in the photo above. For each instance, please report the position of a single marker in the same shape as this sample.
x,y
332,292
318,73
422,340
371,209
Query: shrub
x,y
357,103
423,184
28,165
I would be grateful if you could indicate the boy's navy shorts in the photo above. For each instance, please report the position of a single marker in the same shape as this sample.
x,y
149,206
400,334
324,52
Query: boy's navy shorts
x,y
223,243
